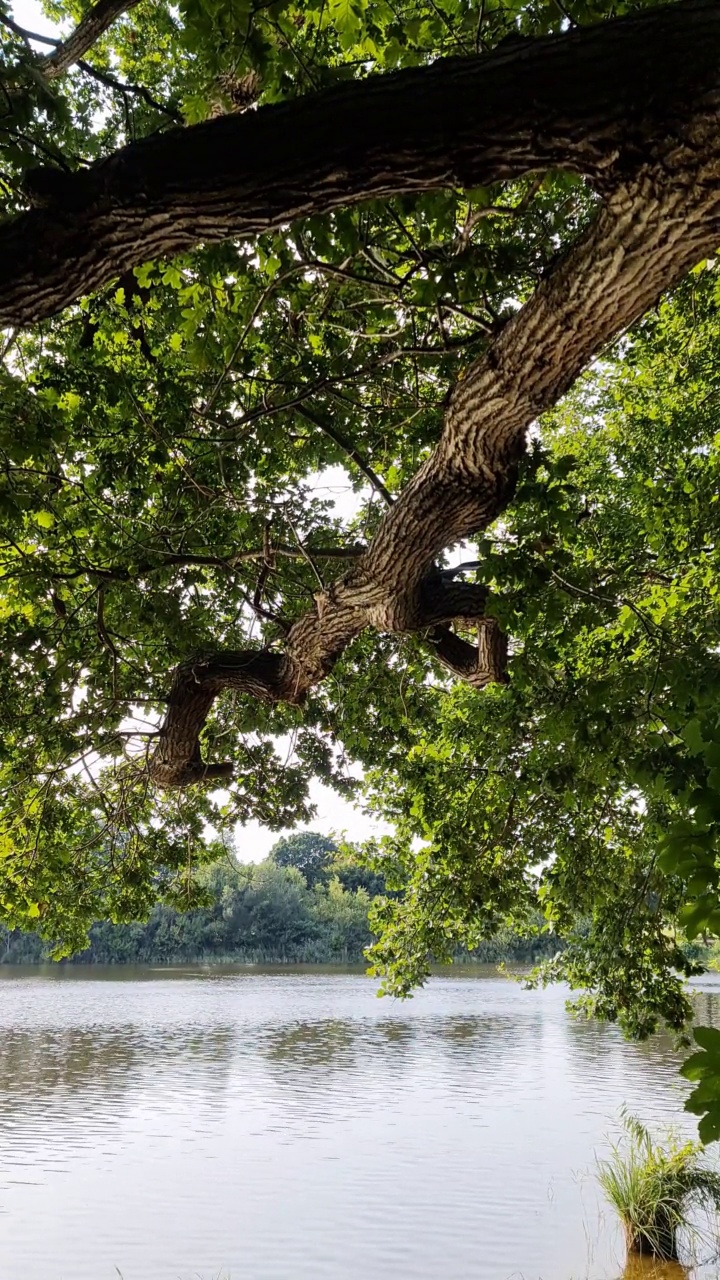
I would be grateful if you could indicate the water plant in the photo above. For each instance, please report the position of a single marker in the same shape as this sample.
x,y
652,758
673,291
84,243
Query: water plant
x,y
655,1186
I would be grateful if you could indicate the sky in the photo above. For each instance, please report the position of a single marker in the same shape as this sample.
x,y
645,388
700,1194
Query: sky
x,y
29,13
334,817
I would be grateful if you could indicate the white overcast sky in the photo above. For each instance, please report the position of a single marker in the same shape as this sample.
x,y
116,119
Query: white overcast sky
x,y
29,13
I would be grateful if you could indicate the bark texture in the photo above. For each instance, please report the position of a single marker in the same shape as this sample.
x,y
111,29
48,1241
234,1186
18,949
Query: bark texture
x,y
632,103
652,227
87,32
593,101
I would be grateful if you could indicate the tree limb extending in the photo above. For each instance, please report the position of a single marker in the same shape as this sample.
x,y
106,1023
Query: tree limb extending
x,y
86,34
532,105
649,231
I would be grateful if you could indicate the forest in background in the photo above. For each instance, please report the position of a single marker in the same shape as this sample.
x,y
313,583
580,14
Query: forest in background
x,y
307,902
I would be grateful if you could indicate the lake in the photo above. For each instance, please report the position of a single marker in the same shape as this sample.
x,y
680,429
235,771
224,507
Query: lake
x,y
288,1125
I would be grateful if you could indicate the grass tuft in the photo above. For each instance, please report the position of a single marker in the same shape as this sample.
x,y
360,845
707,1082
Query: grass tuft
x,y
655,1187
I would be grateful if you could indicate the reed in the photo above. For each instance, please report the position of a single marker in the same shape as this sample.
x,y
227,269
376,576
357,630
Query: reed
x,y
655,1187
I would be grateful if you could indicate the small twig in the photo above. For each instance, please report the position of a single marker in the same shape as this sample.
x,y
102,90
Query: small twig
x,y
240,342
266,614
267,547
567,16
349,449
118,573
260,586
300,61
55,158
498,210
594,595
479,42
306,556
141,92
444,18
105,638
101,628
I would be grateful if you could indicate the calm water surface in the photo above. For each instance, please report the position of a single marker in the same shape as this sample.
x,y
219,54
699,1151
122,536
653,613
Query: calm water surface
x,y
169,1125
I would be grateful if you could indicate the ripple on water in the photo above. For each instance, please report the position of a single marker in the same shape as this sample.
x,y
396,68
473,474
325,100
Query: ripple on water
x,y
290,1126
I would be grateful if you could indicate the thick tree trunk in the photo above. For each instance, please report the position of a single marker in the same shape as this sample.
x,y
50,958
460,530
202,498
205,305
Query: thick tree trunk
x,y
651,229
593,101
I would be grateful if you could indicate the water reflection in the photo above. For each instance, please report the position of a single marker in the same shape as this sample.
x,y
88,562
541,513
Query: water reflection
x,y
706,1003
78,1060
642,1268
267,1125
320,1044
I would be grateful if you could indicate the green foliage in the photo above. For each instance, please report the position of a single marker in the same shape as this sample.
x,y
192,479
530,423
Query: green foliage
x,y
585,785
652,1187
250,913
160,436
256,913
169,450
703,1069
307,851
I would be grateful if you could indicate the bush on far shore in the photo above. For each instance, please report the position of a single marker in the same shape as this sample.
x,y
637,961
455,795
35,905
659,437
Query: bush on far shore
x,y
263,912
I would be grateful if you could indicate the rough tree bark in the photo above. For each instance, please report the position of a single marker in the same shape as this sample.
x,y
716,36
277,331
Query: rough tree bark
x,y
578,101
87,32
650,230
660,216
632,104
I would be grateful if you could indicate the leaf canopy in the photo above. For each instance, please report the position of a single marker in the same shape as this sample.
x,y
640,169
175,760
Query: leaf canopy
x,y
170,454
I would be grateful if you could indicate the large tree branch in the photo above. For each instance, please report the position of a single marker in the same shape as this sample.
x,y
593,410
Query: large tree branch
x,y
86,34
478,665
648,233
132,90
591,100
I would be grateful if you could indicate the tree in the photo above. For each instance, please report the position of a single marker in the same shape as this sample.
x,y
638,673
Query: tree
x,y
433,250
590,784
308,851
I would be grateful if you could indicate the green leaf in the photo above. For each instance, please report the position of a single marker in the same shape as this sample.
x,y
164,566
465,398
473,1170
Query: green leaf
x,y
709,1126
708,1038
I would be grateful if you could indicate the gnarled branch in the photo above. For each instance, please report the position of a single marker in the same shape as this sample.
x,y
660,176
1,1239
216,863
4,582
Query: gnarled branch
x,y
650,230
530,106
478,665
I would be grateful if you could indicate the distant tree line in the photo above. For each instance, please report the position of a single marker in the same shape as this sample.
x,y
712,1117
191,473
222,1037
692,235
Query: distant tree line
x,y
308,902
